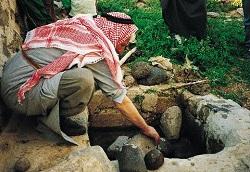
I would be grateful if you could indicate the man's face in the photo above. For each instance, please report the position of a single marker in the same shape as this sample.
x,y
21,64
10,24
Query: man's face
x,y
120,48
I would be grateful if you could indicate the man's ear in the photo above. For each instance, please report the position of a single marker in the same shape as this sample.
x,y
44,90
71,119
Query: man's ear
x,y
132,38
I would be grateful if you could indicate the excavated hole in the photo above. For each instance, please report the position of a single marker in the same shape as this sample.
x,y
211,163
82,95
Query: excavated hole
x,y
192,139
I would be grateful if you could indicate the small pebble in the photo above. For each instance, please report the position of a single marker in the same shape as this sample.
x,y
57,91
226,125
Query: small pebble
x,y
22,165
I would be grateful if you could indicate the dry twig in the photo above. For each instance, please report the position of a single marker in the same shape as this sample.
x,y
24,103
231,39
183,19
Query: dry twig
x,y
164,87
124,58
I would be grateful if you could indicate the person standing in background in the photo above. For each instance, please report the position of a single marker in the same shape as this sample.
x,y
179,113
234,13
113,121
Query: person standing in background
x,y
72,8
185,17
246,10
35,13
66,7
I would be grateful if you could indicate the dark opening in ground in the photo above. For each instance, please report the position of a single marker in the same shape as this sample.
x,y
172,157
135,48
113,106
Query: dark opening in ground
x,y
191,141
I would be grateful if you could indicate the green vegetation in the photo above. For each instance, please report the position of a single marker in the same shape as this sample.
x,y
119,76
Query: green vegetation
x,y
218,57
217,6
139,99
236,96
150,91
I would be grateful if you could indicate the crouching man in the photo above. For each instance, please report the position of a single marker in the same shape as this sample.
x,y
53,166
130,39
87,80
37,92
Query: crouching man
x,y
53,77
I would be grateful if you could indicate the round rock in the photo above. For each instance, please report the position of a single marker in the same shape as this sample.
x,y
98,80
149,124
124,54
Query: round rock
x,y
22,164
140,70
156,76
130,159
154,159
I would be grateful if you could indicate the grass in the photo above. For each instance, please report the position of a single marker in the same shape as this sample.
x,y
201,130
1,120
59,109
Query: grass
x,y
218,57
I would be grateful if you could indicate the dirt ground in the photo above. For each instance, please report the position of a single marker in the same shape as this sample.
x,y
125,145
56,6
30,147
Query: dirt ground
x,y
239,92
242,92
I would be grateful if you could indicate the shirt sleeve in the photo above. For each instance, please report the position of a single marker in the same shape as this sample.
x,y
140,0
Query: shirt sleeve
x,y
105,81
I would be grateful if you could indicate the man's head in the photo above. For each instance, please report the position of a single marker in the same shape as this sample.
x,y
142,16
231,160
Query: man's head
x,y
118,27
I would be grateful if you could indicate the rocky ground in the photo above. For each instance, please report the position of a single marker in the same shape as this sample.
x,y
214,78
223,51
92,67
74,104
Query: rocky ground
x,y
225,123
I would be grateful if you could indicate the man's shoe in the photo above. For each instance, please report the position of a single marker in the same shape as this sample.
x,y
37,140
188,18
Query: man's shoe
x,y
72,127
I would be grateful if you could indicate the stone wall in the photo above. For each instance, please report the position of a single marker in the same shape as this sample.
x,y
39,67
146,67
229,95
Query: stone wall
x,y
9,31
10,40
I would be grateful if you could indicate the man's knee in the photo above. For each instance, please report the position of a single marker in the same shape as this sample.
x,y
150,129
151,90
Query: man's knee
x,y
78,80
85,80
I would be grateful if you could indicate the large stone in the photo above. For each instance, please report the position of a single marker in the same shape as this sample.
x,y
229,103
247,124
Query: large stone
x,y
5,113
113,118
20,139
10,31
103,112
171,121
154,159
82,118
230,128
141,70
131,159
9,36
88,160
231,159
109,118
4,20
143,142
116,147
164,102
136,95
75,125
129,81
156,76
161,62
99,101
227,123
200,89
149,102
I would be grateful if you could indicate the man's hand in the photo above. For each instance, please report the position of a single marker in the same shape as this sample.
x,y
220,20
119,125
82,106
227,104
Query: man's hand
x,y
151,132
128,109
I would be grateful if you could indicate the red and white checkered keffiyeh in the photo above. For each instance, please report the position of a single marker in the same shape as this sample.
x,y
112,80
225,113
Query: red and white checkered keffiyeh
x,y
79,36
117,33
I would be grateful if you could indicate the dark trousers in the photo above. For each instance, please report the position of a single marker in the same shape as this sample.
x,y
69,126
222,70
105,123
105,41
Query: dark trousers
x,y
35,13
246,10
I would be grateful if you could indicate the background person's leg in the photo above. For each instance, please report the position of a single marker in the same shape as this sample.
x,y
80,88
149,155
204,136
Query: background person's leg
x,y
246,10
49,6
34,13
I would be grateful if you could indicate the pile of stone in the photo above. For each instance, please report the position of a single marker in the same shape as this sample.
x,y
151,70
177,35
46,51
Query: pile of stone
x,y
140,153
136,154
158,70
140,147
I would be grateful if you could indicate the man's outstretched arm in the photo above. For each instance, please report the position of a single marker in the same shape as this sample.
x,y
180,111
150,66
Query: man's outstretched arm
x,y
128,109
